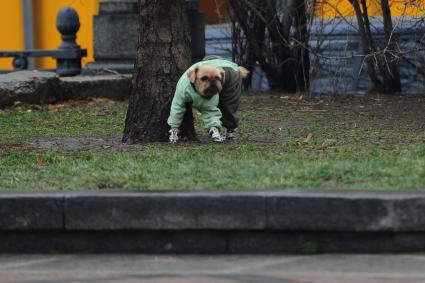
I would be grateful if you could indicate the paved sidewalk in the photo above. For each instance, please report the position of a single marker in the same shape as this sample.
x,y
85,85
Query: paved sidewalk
x,y
212,269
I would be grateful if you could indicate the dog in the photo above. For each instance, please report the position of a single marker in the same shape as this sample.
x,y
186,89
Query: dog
x,y
213,87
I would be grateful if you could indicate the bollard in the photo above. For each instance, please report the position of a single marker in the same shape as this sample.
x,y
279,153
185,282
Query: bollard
x,y
68,55
69,61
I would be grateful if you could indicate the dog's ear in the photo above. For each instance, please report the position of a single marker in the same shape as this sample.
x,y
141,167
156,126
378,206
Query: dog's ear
x,y
222,74
192,75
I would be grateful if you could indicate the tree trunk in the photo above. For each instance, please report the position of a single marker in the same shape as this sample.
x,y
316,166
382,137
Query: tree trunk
x,y
163,54
392,72
367,44
283,56
300,50
382,63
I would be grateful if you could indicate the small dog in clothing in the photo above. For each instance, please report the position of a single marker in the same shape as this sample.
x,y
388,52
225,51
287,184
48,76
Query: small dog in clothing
x,y
213,87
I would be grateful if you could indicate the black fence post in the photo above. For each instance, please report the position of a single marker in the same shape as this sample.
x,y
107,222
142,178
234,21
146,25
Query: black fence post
x,y
68,55
68,24
20,62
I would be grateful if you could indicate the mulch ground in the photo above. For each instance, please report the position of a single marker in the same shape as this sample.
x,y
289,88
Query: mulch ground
x,y
273,117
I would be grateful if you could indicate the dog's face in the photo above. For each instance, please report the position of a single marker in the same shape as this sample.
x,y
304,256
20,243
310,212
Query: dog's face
x,y
208,80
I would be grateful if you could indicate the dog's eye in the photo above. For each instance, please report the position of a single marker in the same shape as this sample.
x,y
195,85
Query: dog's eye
x,y
217,78
204,78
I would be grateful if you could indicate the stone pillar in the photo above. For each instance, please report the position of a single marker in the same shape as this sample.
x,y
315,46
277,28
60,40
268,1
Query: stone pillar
x,y
197,29
115,36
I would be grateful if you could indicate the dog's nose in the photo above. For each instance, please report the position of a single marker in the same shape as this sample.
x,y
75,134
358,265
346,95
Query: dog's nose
x,y
212,89
213,86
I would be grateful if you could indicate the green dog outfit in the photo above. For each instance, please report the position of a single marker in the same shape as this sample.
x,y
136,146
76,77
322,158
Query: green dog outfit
x,y
216,111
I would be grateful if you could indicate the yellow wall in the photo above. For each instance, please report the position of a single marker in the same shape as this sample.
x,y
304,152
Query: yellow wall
x,y
46,35
343,8
11,29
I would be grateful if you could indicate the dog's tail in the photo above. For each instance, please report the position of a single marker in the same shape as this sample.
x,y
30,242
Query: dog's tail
x,y
243,73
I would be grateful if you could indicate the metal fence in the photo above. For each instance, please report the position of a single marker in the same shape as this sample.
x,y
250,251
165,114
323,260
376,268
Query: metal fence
x,y
68,55
337,60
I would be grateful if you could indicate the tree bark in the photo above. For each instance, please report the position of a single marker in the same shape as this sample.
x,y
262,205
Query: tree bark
x,y
382,63
366,44
300,50
163,54
392,72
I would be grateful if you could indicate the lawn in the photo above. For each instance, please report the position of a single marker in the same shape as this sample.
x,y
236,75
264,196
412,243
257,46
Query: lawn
x,y
350,142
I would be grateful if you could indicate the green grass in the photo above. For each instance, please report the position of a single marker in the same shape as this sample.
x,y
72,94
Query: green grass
x,y
19,124
213,166
339,156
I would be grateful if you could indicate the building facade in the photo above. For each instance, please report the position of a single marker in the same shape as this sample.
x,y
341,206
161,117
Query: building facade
x,y
30,24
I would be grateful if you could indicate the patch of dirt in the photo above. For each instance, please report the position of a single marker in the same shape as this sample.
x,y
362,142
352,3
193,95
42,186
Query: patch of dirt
x,y
402,114
273,117
83,142
112,143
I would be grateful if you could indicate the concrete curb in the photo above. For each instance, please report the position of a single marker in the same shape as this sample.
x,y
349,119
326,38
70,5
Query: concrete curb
x,y
212,222
37,87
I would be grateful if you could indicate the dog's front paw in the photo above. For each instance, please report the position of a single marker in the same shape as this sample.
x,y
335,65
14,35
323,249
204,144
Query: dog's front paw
x,y
216,135
174,135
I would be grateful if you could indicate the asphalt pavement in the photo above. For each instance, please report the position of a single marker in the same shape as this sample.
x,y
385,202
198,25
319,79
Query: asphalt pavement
x,y
388,268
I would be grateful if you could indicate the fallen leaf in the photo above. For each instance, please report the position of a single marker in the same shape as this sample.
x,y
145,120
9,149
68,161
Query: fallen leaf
x,y
104,100
308,138
40,161
55,107
291,101
78,102
35,107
